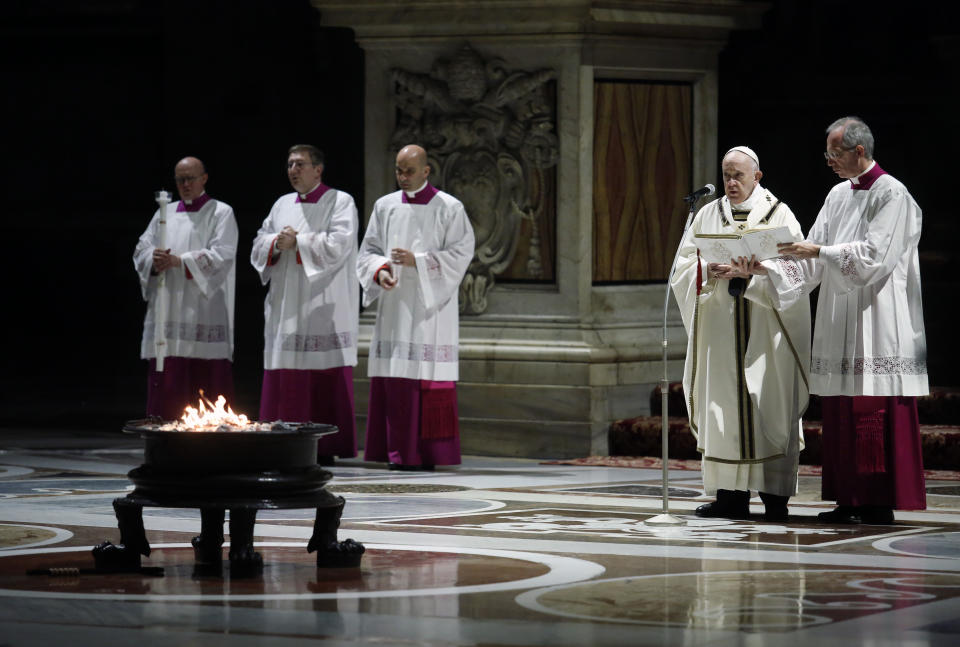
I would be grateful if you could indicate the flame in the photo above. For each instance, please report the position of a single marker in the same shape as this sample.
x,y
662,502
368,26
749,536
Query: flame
x,y
211,416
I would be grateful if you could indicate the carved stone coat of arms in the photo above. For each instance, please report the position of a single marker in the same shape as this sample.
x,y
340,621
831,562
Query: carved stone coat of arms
x,y
490,135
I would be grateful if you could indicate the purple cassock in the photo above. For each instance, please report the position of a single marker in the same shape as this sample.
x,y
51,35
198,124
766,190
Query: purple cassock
x,y
413,422
871,452
322,396
179,385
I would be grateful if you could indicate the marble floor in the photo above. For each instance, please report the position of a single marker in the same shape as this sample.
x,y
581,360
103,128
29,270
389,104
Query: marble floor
x,y
495,552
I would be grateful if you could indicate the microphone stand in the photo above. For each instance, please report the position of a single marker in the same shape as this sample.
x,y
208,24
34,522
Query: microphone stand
x,y
665,518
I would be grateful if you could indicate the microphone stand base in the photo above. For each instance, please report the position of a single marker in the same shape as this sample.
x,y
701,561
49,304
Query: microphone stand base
x,y
665,519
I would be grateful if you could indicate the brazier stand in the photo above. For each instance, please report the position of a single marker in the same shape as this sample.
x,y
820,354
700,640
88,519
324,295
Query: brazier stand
x,y
239,471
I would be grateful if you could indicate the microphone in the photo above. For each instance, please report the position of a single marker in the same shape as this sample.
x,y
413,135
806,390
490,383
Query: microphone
x,y
708,190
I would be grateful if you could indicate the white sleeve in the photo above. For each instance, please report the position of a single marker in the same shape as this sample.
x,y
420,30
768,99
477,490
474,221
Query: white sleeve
x,y
894,229
143,256
441,270
324,252
371,257
211,265
262,255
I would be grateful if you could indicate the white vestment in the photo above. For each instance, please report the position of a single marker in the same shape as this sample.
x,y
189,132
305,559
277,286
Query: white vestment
x,y
417,332
869,330
311,313
744,378
201,291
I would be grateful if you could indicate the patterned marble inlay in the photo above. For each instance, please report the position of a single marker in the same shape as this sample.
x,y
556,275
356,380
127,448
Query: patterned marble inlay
x,y
934,544
60,487
637,490
18,535
401,572
360,507
393,488
589,524
771,601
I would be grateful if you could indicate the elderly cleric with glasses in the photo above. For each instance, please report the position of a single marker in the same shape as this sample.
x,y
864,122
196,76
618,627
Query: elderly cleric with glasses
x,y
869,347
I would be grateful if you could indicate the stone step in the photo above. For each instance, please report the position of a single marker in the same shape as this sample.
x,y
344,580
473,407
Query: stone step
x,y
641,436
941,407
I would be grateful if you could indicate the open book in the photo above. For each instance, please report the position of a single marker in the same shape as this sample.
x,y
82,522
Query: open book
x,y
760,242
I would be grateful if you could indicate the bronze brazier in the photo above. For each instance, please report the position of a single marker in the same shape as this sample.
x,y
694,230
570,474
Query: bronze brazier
x,y
239,471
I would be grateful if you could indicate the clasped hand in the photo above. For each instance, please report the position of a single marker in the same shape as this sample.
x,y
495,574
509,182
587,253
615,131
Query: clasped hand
x,y
163,260
287,238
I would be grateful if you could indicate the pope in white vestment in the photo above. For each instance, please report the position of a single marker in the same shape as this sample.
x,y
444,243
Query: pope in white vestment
x,y
416,250
745,375
869,346
198,266
306,250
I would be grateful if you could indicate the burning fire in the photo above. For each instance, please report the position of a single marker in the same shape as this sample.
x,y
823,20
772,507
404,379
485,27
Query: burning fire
x,y
211,416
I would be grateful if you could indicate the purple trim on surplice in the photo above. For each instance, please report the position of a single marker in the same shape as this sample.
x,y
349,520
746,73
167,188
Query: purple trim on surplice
x,y
322,396
180,382
423,196
866,180
314,196
394,421
852,475
193,206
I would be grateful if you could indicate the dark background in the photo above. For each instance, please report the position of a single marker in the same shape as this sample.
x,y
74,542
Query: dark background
x,y
102,97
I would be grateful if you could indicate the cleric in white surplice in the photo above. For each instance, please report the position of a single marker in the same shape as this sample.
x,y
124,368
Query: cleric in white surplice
x,y
745,376
306,250
869,360
416,250
198,263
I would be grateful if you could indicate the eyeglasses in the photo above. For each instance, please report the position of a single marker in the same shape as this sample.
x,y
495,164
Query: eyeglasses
x,y
835,155
298,164
186,179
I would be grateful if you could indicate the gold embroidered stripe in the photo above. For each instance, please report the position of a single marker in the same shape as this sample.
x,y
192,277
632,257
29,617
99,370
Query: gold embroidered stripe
x,y
744,408
732,461
796,355
693,369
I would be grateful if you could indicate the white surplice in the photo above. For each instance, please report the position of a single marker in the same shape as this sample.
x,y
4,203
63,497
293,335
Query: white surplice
x,y
417,332
201,290
311,309
869,334
744,378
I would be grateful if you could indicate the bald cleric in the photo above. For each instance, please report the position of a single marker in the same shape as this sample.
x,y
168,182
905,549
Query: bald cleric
x,y
416,250
198,262
745,376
